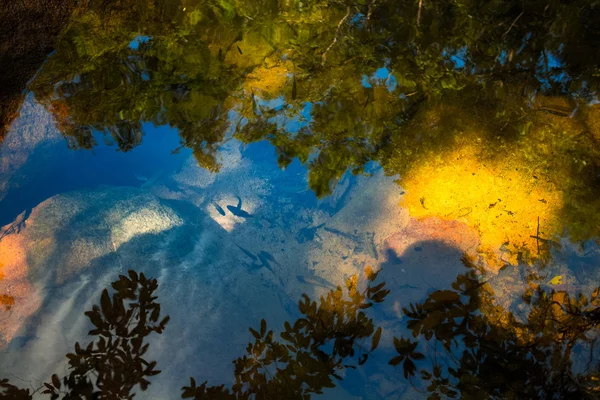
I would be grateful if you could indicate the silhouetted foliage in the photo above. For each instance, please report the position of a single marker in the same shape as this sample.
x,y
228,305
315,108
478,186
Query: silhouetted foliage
x,y
332,84
11,392
485,352
312,350
111,366
489,353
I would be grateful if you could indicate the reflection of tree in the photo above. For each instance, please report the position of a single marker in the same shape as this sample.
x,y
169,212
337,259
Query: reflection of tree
x,y
312,350
27,34
194,64
111,366
308,78
474,348
487,352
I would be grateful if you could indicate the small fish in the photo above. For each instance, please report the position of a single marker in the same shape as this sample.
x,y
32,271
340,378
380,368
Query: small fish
x,y
407,287
292,188
463,212
219,209
268,256
220,56
252,267
246,252
370,244
294,89
239,37
240,50
239,213
150,181
255,108
369,98
308,233
316,281
343,234
266,259
237,210
422,200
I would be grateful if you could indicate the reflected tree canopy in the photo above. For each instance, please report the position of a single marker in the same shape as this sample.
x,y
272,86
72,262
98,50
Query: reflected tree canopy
x,y
111,366
312,350
336,85
479,350
468,346
490,98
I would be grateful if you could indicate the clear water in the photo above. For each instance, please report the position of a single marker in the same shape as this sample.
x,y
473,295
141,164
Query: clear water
x,y
210,147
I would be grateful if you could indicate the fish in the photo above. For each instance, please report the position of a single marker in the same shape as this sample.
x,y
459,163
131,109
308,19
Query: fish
x,y
240,50
369,98
150,181
343,234
219,209
238,38
370,245
308,233
292,188
407,287
237,210
266,259
294,89
463,212
316,281
252,267
220,56
255,108
248,253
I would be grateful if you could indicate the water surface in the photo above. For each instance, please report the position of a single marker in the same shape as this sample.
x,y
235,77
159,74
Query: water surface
x,y
399,201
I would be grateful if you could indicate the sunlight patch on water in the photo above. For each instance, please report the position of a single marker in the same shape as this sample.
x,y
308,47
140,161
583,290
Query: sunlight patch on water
x,y
14,284
144,221
494,197
229,221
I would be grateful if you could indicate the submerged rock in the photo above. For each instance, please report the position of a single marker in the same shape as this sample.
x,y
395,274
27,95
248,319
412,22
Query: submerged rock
x,y
73,245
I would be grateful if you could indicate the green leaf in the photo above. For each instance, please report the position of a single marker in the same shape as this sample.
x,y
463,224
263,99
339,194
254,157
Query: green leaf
x,y
195,17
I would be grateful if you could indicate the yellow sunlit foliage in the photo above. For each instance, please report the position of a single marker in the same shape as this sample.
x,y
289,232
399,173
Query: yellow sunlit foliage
x,y
269,79
494,197
250,51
